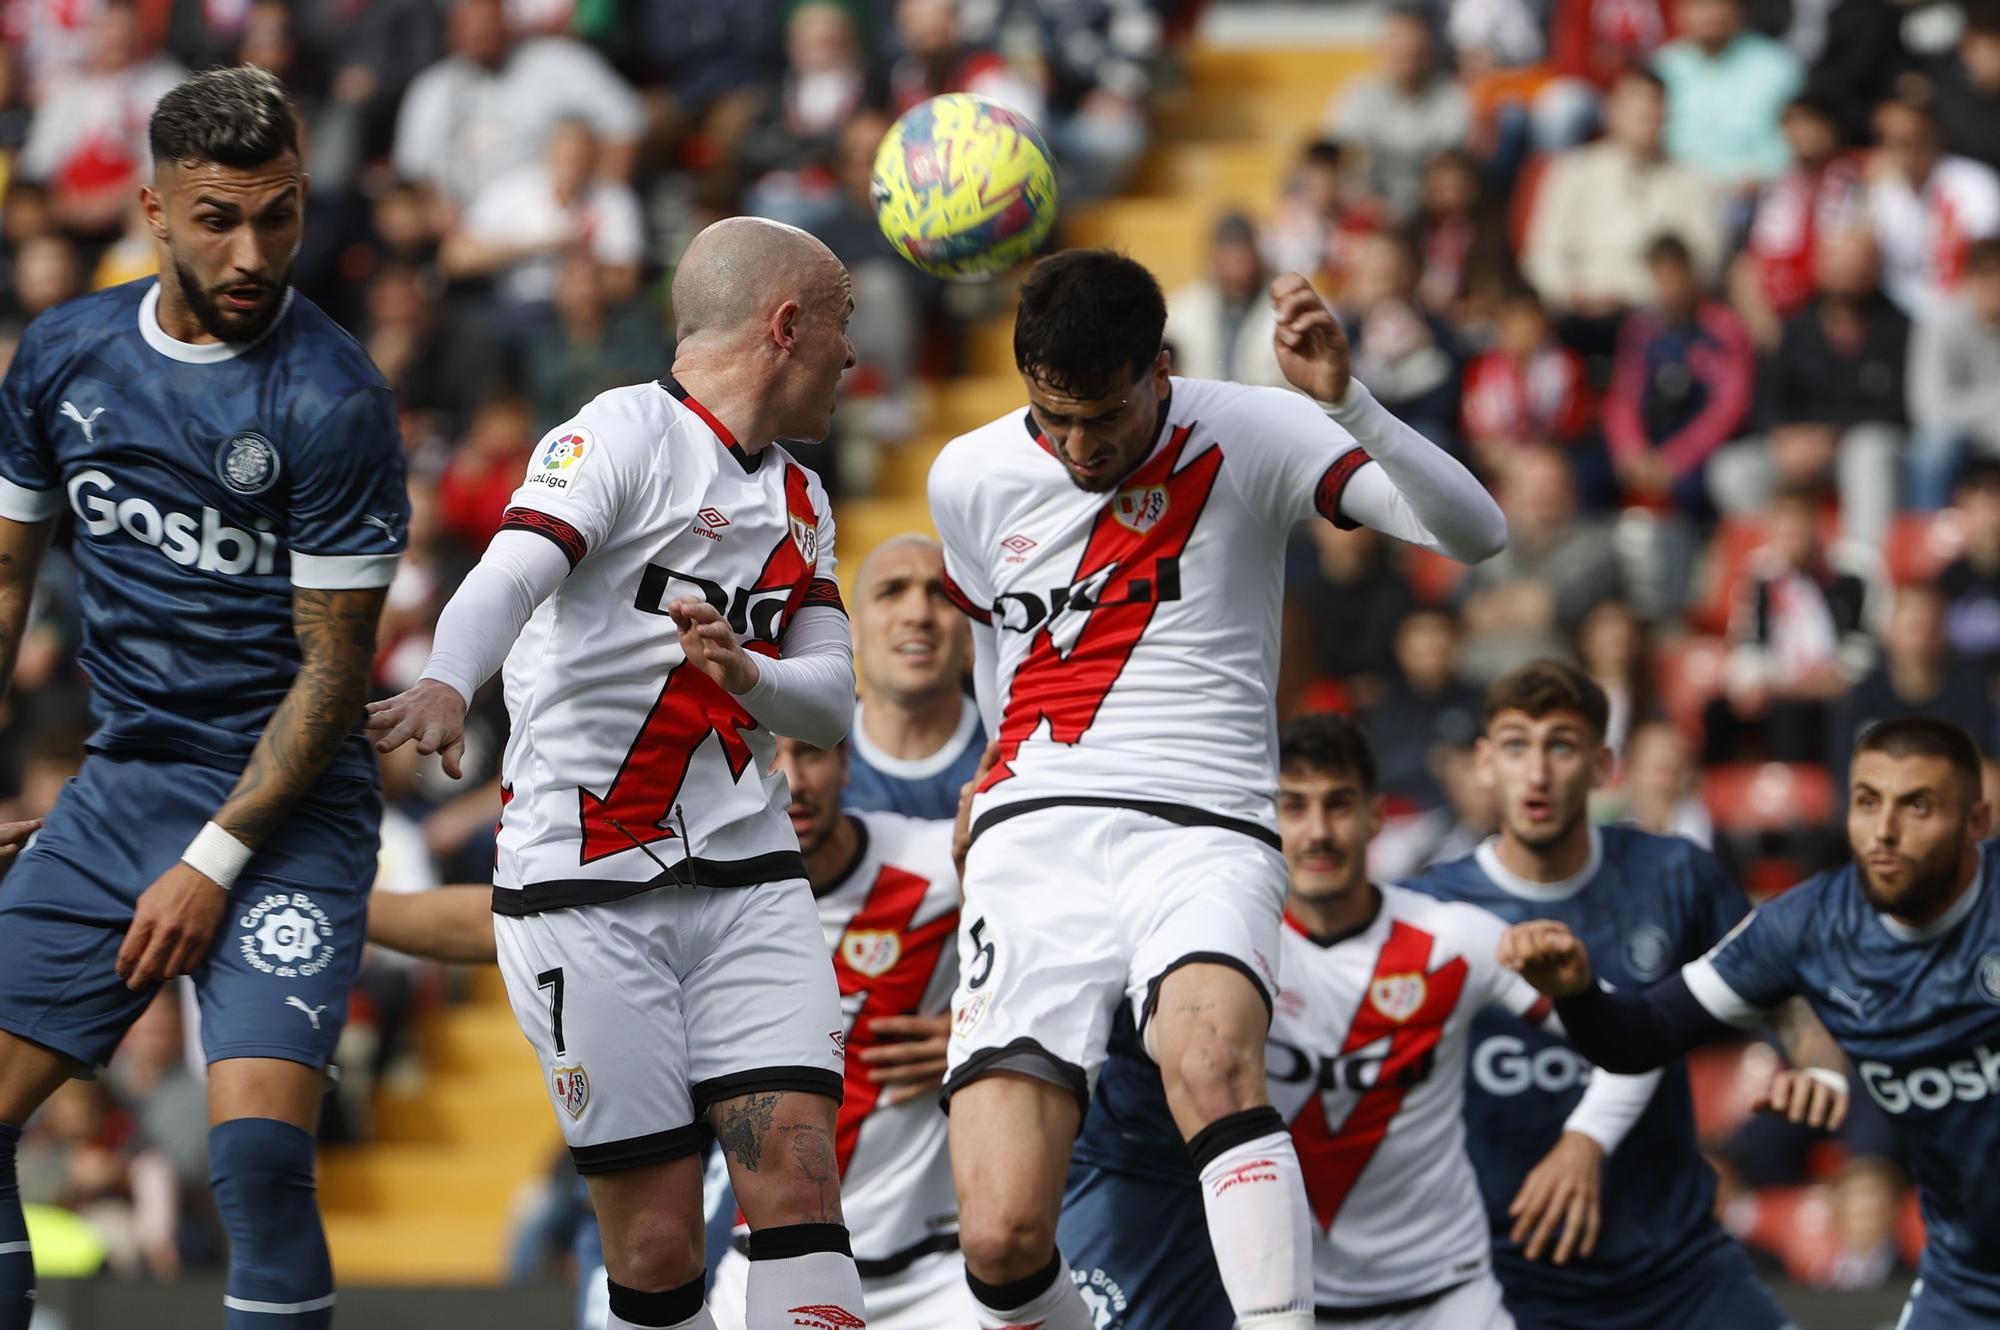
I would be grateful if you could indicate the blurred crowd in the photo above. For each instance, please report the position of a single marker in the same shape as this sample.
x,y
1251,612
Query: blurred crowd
x,y
1707,290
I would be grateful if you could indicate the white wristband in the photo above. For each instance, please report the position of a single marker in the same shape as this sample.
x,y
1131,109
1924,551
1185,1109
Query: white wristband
x,y
216,855
1829,1077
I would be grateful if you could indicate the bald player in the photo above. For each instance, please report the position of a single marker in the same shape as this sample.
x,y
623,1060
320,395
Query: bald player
x,y
661,594
917,738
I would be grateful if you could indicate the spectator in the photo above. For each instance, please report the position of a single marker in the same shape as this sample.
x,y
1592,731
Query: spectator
x,y
1863,62
520,225
1682,387
87,141
1726,88
1527,601
791,152
47,271
1221,327
1467,262
1425,707
1410,359
1971,582
1593,44
1822,192
1588,260
1966,95
1527,389
707,64
1344,598
1100,57
1799,638
1660,793
1928,208
938,58
169,1103
1408,845
1834,400
593,343
1405,116
1612,646
79,1156
439,366
375,50
485,470
1317,223
1918,675
494,101
1954,379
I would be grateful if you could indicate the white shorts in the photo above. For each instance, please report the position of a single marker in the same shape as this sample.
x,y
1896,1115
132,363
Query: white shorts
x,y
929,1294
647,1011
1070,909
1473,1306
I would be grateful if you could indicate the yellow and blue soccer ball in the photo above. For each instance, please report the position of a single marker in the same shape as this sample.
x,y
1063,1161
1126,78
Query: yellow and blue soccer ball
x,y
964,187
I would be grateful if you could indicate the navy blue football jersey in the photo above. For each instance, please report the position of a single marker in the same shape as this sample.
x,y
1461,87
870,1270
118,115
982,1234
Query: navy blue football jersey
x,y
1918,1013
1644,905
927,787
207,481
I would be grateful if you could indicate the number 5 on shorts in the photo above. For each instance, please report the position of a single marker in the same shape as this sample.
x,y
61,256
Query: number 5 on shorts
x,y
553,979
982,959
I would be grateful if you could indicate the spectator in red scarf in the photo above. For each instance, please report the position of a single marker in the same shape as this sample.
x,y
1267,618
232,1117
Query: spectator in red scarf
x,y
1527,389
1823,192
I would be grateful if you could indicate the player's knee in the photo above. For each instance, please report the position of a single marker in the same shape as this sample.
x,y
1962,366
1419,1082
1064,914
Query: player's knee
x,y
1003,1243
654,1250
1209,1077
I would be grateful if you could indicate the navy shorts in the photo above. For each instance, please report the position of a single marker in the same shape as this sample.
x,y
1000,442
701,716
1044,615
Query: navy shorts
x,y
1719,1290
275,981
1948,1297
1139,1251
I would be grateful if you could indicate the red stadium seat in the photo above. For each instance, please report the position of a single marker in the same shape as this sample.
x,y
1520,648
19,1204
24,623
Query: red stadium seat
x,y
1736,538
1768,796
1433,577
1920,544
1688,674
1721,1085
1794,1224
1910,1228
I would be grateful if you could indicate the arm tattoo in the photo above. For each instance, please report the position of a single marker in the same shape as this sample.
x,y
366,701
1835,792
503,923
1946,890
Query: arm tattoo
x,y
336,634
741,1134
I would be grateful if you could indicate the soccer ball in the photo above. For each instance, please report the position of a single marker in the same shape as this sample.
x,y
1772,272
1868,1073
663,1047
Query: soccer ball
x,y
964,188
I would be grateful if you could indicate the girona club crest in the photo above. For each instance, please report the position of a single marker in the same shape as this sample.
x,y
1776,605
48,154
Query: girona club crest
x,y
1397,996
1140,508
871,951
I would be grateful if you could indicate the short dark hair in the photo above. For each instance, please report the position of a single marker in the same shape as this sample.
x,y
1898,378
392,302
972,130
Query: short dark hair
x,y
1090,321
1977,473
1641,74
1329,742
1542,688
1983,255
1926,736
1815,104
1669,248
1323,152
237,117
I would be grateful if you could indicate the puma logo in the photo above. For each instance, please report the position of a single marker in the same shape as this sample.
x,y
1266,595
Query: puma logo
x,y
88,422
387,525
312,1013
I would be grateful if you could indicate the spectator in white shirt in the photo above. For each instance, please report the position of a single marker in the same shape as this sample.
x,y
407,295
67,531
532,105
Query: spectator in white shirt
x,y
1927,207
1954,380
519,227
492,103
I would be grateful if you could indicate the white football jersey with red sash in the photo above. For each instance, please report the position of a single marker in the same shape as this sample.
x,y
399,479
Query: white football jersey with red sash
x,y
1138,630
627,767
1366,1060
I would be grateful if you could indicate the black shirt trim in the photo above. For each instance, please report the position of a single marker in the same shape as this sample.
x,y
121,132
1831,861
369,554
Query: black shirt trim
x,y
748,461
1185,815
569,893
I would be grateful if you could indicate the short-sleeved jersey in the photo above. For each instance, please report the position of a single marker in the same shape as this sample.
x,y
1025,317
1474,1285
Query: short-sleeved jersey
x,y
1918,1013
1138,630
1644,905
626,767
1366,1061
892,922
924,787
208,481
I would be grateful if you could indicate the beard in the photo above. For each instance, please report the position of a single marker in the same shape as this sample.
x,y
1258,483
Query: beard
x,y
224,324
1924,891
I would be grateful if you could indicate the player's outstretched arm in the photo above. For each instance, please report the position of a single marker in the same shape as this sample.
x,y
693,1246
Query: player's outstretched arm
x,y
1415,491
451,924
21,547
807,695
178,914
1621,1032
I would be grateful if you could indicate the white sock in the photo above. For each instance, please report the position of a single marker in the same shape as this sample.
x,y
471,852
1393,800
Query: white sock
x,y
1258,1220
802,1277
1044,1301
631,1309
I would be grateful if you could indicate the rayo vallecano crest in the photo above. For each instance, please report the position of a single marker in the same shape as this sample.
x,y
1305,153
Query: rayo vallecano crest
x,y
1398,996
572,1089
1140,508
806,536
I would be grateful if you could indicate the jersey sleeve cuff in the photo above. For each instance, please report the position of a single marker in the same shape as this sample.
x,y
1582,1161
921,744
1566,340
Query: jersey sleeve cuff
x,y
1717,998
343,572
18,503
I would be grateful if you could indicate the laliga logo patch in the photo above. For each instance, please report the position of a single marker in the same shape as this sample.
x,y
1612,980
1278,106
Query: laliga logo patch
x,y
1398,996
572,1088
286,934
806,536
872,951
1989,976
1140,509
247,463
560,456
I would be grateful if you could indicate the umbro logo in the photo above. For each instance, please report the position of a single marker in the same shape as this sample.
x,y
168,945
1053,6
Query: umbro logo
x,y
1017,547
709,523
825,1316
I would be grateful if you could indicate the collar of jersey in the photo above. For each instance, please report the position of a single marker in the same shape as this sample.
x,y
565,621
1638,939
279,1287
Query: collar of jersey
x,y
1515,885
1335,939
1947,921
916,768
195,353
860,857
748,461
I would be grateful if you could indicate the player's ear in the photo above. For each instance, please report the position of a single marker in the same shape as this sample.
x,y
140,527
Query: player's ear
x,y
1163,365
785,326
1602,764
154,205
1980,821
1375,816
